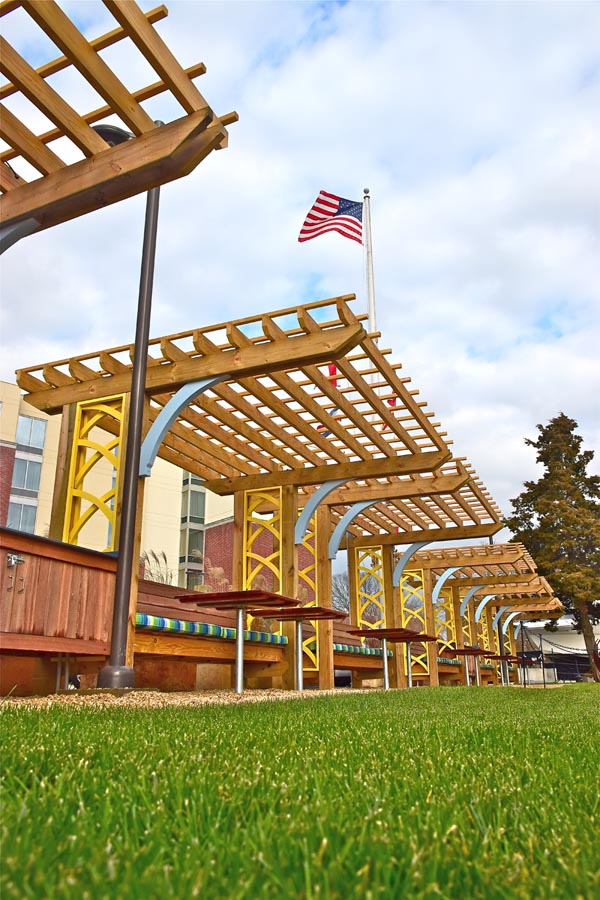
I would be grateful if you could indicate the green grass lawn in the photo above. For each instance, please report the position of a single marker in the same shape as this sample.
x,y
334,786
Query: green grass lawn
x,y
430,793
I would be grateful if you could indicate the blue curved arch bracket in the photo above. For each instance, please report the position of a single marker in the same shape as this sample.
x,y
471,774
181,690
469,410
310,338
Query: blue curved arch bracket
x,y
517,629
167,416
341,527
499,615
465,601
507,621
313,502
401,564
483,605
435,594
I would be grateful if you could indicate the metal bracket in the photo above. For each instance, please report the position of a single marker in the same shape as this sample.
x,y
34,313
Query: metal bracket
x,y
13,559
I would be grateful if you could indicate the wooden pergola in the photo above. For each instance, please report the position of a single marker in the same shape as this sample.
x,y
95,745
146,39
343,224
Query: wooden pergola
x,y
297,411
71,169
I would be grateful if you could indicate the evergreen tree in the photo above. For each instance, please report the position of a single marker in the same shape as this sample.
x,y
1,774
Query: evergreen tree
x,y
557,517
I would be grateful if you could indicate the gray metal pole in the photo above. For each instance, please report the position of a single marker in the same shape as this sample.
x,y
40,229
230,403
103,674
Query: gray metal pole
x,y
409,663
543,661
117,674
386,673
239,652
299,659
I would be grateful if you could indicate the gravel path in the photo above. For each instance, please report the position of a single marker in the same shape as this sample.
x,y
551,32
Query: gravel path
x,y
157,699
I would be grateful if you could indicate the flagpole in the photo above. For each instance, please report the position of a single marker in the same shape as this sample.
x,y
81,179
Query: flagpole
x,y
369,262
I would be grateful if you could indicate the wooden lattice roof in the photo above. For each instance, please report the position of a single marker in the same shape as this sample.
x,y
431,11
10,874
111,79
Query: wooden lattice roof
x,y
66,169
477,562
307,396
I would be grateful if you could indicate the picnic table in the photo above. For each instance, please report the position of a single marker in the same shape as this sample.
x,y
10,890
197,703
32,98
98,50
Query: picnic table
x,y
241,602
298,615
394,636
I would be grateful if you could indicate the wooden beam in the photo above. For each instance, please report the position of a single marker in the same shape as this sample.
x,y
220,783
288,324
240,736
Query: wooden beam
x,y
352,470
260,359
456,533
157,157
99,43
416,487
48,100
150,44
30,147
59,28
491,581
504,557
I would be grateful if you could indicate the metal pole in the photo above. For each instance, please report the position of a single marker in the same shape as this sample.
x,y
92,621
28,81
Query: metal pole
x,y
543,661
409,663
468,677
523,657
117,674
386,673
239,652
369,262
477,674
299,659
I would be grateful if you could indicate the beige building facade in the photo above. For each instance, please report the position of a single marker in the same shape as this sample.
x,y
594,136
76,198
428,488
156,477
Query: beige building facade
x,y
176,506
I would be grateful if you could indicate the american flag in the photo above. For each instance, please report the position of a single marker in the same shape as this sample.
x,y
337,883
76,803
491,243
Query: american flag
x,y
332,213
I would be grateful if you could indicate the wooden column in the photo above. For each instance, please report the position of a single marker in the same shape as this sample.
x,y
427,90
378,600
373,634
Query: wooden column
x,y
61,477
353,583
289,571
460,634
393,618
239,540
324,598
434,679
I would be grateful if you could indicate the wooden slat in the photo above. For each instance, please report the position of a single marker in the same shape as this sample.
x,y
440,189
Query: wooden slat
x,y
102,112
28,145
419,462
99,43
65,35
157,157
146,39
8,179
48,100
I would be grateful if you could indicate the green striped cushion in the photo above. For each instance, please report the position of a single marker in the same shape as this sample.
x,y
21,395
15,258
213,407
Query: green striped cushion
x,y
442,660
204,629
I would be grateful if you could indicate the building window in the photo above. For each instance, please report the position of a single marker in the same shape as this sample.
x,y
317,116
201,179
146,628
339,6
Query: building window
x,y
21,516
26,474
31,432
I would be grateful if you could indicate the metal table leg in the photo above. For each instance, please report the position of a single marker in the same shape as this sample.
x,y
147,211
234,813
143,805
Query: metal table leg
x,y
468,677
239,652
386,673
299,659
477,673
409,663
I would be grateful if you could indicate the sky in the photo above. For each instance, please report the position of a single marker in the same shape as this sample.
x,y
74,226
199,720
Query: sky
x,y
476,127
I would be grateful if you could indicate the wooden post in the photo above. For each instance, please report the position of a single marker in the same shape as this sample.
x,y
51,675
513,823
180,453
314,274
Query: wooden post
x,y
324,598
460,634
289,571
430,628
61,477
393,618
353,583
239,542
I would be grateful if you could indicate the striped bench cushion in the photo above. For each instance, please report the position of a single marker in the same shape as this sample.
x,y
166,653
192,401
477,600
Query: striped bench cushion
x,y
204,629
353,648
444,661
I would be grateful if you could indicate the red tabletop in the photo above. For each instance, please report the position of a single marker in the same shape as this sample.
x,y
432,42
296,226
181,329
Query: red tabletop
x,y
465,651
394,635
237,599
300,612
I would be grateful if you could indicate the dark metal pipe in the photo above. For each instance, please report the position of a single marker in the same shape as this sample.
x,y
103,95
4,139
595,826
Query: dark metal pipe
x,y
117,674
